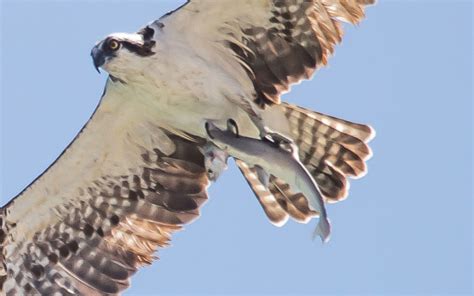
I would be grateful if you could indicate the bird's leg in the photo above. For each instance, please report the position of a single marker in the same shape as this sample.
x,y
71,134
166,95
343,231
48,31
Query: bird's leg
x,y
267,134
278,138
211,127
258,121
233,127
275,138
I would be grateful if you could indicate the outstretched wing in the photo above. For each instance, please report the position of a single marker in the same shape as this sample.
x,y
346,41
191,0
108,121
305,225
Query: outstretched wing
x,y
277,42
103,208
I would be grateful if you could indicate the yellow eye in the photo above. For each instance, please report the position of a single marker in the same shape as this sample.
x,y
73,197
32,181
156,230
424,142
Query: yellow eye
x,y
114,44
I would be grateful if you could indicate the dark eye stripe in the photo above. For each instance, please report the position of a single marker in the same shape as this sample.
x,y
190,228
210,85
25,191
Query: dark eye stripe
x,y
144,50
106,45
147,33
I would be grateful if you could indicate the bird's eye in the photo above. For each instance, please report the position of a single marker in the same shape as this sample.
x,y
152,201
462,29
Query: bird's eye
x,y
113,44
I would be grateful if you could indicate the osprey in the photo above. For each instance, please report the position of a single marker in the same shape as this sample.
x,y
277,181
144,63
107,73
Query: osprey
x,y
139,169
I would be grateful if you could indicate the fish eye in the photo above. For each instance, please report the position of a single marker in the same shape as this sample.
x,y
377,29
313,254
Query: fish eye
x,y
113,44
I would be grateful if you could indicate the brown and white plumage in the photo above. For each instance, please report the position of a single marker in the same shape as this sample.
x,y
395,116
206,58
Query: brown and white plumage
x,y
89,231
279,42
276,198
135,173
331,149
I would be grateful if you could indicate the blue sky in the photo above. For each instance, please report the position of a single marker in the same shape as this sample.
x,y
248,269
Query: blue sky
x,y
406,227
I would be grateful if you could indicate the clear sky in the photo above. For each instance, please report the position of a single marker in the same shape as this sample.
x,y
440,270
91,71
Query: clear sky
x,y
406,227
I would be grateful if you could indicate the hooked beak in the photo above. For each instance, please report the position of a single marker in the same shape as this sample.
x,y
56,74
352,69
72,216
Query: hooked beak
x,y
98,57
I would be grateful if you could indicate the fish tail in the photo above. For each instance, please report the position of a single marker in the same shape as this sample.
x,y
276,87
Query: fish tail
x,y
323,229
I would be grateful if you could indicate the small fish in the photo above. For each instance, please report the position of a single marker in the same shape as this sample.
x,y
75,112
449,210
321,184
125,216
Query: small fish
x,y
274,159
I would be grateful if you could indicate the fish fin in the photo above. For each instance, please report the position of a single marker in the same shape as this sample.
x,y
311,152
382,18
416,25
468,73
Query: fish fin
x,y
332,149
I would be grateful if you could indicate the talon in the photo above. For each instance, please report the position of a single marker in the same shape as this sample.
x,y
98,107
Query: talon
x,y
279,138
268,138
207,126
233,127
281,141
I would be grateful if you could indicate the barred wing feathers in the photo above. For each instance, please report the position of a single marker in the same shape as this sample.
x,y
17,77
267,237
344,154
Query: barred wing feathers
x,y
277,199
103,209
277,42
332,150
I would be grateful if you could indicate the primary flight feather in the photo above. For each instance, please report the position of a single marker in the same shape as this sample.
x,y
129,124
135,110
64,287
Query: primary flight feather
x,y
139,169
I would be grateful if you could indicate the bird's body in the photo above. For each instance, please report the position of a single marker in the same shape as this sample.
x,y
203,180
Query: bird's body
x,y
136,172
189,78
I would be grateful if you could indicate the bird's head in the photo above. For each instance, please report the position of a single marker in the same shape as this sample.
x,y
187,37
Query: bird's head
x,y
123,55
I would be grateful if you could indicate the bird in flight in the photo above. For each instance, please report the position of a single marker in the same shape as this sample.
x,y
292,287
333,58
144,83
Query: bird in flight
x,y
187,91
